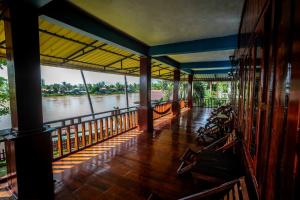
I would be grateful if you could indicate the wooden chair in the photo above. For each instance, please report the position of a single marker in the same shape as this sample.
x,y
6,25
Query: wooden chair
x,y
232,190
210,130
214,129
216,126
190,157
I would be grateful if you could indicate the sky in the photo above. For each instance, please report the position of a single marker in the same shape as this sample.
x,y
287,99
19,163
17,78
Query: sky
x,y
57,75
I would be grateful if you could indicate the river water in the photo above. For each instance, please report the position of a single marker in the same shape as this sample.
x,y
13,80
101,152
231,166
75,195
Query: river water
x,y
70,106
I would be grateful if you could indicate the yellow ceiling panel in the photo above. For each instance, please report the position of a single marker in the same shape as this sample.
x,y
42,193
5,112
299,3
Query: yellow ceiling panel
x,y
62,47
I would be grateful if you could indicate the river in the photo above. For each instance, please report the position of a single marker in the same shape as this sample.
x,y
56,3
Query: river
x,y
69,106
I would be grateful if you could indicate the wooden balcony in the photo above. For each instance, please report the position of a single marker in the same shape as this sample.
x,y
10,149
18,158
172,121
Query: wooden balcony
x,y
133,165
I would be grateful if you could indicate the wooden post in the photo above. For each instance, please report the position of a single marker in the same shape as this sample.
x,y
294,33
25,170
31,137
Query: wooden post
x,y
29,151
126,91
190,91
88,94
175,104
145,110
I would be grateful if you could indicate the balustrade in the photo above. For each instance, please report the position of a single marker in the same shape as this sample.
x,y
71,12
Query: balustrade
x,y
73,134
165,108
210,102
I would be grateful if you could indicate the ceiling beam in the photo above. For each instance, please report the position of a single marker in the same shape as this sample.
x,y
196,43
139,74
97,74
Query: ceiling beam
x,y
216,71
68,15
167,60
207,64
202,45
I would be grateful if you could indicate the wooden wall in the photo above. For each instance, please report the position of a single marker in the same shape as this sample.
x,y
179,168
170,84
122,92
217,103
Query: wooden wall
x,y
268,95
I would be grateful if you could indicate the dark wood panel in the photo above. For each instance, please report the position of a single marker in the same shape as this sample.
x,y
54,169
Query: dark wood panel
x,y
268,121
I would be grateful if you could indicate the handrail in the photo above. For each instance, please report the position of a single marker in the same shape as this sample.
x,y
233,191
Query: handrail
x,y
87,115
4,133
164,102
165,108
68,138
210,102
77,133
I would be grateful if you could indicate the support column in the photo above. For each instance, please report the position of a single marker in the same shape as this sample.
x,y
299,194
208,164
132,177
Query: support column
x,y
29,148
126,91
88,94
175,105
145,119
190,90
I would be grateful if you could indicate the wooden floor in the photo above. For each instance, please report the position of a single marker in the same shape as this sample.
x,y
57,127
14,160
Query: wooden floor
x,y
133,165
130,166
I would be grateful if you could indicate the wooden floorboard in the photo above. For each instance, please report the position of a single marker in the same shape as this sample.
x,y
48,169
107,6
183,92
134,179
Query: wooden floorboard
x,y
132,165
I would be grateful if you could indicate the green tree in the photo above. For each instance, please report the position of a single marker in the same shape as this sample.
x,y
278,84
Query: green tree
x,y
156,85
119,86
183,85
4,96
198,90
167,87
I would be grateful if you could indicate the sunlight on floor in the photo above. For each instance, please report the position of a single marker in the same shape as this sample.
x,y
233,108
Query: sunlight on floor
x,y
4,193
87,154
105,149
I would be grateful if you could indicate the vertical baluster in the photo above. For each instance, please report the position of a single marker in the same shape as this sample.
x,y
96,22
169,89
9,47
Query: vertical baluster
x,y
101,129
68,135
106,128
121,123
136,118
128,120
133,119
59,143
111,126
125,122
83,134
116,124
76,141
130,116
90,132
96,130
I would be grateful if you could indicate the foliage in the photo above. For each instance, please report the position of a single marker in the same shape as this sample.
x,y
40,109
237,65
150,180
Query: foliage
x,y
199,89
218,89
183,86
166,87
4,96
156,85
64,88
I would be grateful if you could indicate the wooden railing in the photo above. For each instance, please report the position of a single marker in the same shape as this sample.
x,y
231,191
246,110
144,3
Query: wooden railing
x,y
74,134
210,102
2,155
165,108
182,104
3,173
162,109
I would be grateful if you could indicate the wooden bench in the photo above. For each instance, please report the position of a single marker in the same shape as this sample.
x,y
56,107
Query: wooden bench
x,y
190,156
232,190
